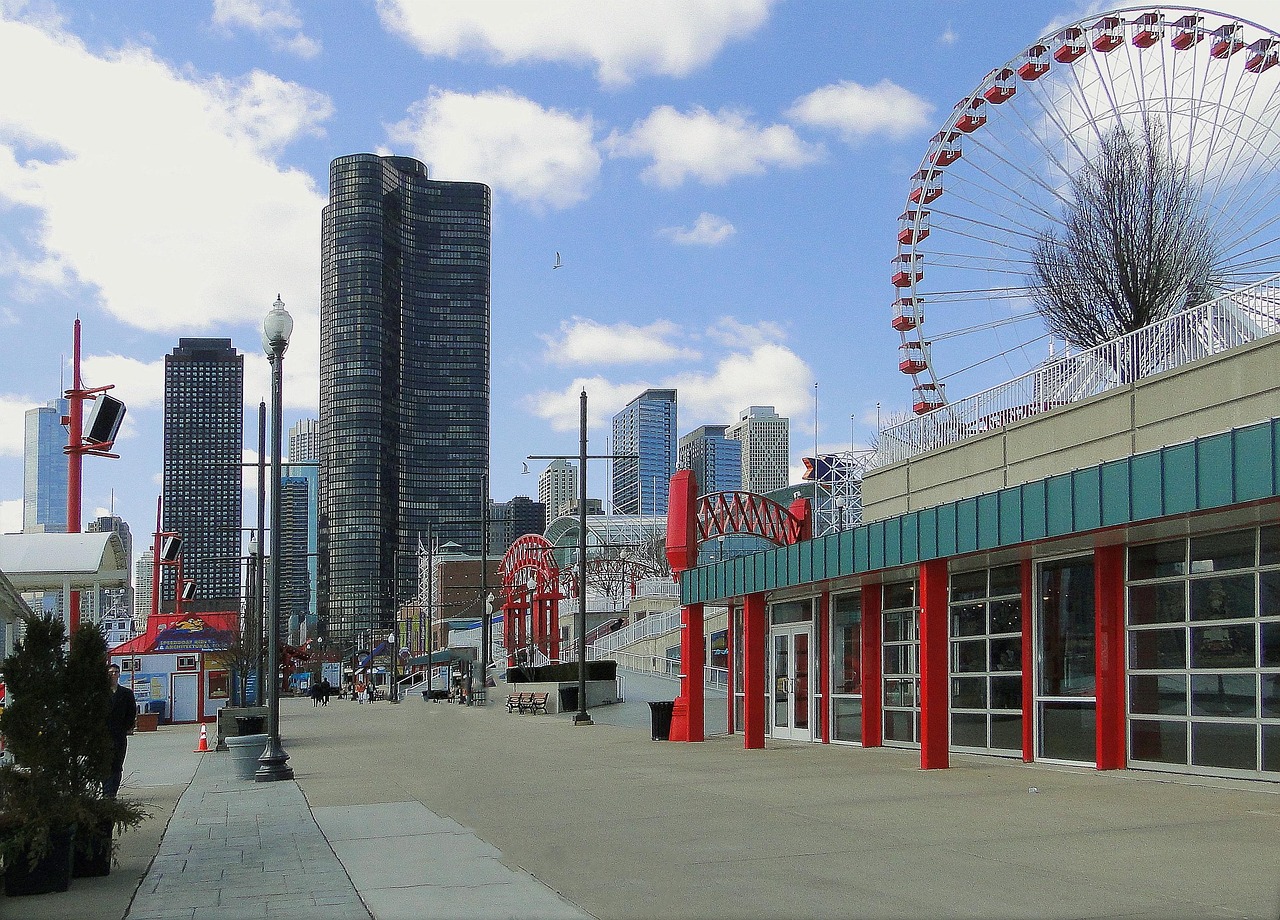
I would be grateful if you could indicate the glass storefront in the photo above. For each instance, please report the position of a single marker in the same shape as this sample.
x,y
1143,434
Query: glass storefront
x,y
1204,653
1066,693
900,641
986,660
846,667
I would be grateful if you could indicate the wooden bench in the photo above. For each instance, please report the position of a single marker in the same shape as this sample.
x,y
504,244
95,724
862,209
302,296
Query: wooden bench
x,y
518,702
536,703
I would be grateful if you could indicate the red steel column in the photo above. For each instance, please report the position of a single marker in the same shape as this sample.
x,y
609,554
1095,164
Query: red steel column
x,y
755,635
75,461
934,676
824,666
730,641
1028,662
555,627
1108,581
692,658
872,684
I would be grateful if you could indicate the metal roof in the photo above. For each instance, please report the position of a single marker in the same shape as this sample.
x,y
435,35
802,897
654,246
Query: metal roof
x,y
49,561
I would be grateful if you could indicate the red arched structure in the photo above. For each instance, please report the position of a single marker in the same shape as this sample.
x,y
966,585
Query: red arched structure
x,y
530,597
691,520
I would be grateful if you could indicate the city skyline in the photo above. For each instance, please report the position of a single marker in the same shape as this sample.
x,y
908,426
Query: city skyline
x,y
722,183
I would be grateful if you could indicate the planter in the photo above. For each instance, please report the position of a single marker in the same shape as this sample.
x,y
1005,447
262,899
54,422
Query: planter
x,y
147,722
52,873
93,851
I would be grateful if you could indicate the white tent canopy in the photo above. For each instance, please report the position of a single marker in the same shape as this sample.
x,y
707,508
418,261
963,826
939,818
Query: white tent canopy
x,y
63,562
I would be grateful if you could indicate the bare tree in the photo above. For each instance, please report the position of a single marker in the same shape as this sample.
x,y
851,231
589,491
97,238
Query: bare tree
x,y
1135,247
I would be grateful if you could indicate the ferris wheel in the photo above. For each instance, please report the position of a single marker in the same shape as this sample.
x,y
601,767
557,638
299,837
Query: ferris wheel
x,y
997,176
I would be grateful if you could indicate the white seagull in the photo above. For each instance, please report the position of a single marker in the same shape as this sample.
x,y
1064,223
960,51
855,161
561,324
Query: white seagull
x,y
558,262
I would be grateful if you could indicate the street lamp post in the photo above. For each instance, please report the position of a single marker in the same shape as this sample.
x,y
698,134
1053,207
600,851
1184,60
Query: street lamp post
x,y
273,764
393,694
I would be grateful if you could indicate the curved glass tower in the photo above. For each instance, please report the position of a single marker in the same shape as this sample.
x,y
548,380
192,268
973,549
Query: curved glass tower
x,y
404,381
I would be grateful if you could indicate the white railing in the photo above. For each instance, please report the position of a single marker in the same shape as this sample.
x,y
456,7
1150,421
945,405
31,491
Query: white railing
x,y
1232,320
655,624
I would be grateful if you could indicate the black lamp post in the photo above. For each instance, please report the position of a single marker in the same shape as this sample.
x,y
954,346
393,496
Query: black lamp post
x,y
276,328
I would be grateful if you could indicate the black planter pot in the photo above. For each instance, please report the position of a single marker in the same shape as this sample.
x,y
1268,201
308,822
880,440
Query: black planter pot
x,y
52,873
92,851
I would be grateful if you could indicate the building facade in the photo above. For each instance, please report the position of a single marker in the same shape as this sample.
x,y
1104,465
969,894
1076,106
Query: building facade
x,y
510,520
766,448
304,441
203,449
404,379
116,601
300,536
143,572
645,428
557,485
44,469
714,458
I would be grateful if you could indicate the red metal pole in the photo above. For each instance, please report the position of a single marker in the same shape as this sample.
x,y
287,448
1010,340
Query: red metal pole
x,y
1108,567
155,563
934,662
755,636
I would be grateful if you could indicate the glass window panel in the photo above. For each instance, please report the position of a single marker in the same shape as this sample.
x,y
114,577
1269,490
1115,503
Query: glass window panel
x,y
1006,732
1269,545
1006,693
969,729
968,585
1007,579
968,620
1269,594
896,659
899,726
846,648
1223,646
1150,694
1067,731
1223,744
792,612
1271,696
1006,616
1067,628
969,692
1220,551
1159,603
902,594
1271,748
1228,598
1159,742
1006,654
1271,645
968,657
898,693
899,627
847,721
1158,648
1224,695
1158,560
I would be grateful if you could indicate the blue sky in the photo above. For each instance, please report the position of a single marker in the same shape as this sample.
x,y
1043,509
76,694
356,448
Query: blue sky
x,y
721,179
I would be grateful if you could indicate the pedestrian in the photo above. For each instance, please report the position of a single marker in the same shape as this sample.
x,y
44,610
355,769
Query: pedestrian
x,y
122,716
314,692
326,689
359,692
370,691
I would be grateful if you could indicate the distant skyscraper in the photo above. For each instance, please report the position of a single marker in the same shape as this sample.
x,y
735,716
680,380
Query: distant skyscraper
x,y
203,446
766,448
295,575
404,379
647,428
120,599
44,470
508,521
715,460
304,441
143,572
558,485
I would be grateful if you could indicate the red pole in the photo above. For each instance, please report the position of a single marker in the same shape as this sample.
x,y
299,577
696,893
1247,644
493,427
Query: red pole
x,y
75,447
155,563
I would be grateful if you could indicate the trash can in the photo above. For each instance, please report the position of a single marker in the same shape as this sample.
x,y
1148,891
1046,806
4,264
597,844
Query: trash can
x,y
660,719
569,699
158,707
245,751
250,725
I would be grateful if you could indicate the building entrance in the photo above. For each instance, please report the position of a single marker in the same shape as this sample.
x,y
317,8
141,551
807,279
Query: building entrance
x,y
791,682
1066,662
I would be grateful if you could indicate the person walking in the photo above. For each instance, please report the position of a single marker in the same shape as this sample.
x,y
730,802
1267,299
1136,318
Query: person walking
x,y
122,716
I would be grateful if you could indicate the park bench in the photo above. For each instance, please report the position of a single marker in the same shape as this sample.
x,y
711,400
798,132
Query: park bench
x,y
536,703
519,702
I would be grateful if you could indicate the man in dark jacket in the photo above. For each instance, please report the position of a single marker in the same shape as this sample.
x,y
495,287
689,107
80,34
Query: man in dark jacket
x,y
122,716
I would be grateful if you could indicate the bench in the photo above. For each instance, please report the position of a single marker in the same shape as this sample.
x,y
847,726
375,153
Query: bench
x,y
536,703
519,701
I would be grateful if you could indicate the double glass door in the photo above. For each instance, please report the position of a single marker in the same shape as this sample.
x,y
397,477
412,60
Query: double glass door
x,y
791,682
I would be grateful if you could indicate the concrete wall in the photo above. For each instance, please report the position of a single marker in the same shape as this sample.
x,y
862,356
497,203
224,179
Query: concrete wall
x,y
1235,388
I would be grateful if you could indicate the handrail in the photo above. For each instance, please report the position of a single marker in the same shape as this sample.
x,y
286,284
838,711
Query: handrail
x,y
1211,328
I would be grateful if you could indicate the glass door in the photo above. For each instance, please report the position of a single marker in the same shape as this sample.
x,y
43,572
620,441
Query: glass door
x,y
1066,696
791,682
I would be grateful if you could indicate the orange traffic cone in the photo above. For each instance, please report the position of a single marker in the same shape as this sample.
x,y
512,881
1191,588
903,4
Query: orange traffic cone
x,y
203,746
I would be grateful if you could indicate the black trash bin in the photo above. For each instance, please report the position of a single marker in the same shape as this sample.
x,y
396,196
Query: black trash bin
x,y
568,699
250,725
158,707
660,719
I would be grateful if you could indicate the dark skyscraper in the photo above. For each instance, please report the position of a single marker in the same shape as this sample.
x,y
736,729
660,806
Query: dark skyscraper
x,y
404,380
203,445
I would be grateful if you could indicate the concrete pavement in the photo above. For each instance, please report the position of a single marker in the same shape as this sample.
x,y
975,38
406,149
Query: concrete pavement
x,y
438,810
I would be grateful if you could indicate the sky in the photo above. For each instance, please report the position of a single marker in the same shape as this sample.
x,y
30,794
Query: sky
x,y
720,181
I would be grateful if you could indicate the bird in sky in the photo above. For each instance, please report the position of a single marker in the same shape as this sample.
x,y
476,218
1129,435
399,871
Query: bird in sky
x,y
558,264
526,467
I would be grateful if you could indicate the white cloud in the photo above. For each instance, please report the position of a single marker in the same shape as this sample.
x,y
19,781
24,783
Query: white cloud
x,y
585,341
13,412
560,408
536,155
707,230
273,19
948,36
138,384
858,111
730,333
117,136
11,515
623,39
709,148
